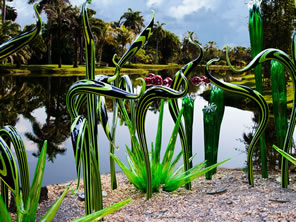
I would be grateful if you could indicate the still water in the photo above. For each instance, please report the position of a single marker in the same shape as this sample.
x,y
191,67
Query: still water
x,y
36,107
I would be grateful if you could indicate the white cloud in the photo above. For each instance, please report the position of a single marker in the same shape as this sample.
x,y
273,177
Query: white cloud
x,y
94,2
153,3
25,12
190,6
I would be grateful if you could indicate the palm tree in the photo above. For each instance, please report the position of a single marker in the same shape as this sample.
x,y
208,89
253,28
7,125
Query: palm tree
x,y
158,34
123,36
211,50
132,20
9,30
188,51
102,32
57,13
171,48
3,7
76,32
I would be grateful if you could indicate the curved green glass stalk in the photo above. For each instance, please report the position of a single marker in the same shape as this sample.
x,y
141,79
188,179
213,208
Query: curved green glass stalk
x,y
80,132
213,115
8,171
114,80
86,86
256,97
118,82
27,210
173,104
10,135
14,44
279,100
256,39
91,115
145,101
283,58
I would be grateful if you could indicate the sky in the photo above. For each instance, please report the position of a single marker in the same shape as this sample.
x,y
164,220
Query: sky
x,y
222,21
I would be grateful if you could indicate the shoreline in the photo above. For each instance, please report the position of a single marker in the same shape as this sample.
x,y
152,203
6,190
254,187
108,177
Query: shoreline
x,y
236,201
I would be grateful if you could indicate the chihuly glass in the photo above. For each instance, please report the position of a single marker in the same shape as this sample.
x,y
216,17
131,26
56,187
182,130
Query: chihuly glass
x,y
279,101
256,39
213,115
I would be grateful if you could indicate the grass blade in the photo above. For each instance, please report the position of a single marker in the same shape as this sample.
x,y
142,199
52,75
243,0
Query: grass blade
x,y
54,208
285,154
4,215
34,195
102,213
185,177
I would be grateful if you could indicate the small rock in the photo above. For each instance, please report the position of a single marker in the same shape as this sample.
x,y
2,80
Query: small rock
x,y
280,200
229,202
217,191
43,194
81,196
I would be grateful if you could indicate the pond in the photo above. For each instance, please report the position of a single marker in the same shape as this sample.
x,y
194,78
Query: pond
x,y
36,107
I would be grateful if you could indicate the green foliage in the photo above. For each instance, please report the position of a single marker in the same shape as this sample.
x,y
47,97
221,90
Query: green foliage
x,y
169,48
163,172
278,24
143,57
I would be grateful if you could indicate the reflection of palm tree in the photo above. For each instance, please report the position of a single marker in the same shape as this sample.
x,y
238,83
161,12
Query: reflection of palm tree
x,y
56,128
17,97
53,132
155,106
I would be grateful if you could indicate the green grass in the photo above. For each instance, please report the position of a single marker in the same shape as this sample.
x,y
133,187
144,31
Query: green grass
x,y
249,80
68,69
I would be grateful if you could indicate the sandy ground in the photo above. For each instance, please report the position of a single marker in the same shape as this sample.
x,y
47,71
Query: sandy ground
x,y
227,197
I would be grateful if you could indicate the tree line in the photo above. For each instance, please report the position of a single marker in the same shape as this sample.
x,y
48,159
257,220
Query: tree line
x,y
61,40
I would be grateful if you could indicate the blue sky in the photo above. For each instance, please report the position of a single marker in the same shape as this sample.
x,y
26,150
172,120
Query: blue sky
x,y
222,21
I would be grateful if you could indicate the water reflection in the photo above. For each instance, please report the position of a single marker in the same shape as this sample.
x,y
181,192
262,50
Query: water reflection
x,y
36,106
273,157
23,96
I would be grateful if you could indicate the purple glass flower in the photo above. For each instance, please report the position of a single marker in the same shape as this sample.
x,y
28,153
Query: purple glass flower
x,y
198,80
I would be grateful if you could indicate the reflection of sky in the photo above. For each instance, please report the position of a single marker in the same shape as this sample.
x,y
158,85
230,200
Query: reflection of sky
x,y
63,169
23,125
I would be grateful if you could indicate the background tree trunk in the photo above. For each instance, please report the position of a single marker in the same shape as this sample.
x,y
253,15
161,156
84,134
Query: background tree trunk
x,y
3,11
